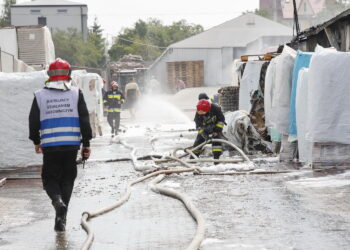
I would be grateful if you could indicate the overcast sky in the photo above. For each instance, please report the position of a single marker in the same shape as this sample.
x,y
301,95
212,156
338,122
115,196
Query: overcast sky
x,y
114,15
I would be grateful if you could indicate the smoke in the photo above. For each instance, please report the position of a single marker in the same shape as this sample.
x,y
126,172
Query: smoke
x,y
156,110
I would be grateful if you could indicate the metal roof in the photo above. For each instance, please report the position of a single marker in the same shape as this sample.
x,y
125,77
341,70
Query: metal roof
x,y
237,32
42,3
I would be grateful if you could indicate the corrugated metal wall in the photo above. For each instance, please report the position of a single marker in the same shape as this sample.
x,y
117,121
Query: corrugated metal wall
x,y
32,48
216,64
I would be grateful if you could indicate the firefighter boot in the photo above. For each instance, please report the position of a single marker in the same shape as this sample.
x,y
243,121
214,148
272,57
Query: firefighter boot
x,y
216,157
112,132
61,212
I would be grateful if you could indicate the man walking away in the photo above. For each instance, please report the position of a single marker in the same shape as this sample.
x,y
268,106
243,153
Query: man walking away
x,y
209,120
113,99
132,93
58,123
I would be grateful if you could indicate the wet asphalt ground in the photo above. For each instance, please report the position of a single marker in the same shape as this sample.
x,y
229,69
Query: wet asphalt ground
x,y
301,210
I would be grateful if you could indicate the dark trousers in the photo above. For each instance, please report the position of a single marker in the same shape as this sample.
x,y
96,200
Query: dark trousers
x,y
58,174
113,119
216,146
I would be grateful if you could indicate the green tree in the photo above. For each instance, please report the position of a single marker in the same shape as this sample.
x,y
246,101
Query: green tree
x,y
149,39
5,18
97,42
264,13
70,45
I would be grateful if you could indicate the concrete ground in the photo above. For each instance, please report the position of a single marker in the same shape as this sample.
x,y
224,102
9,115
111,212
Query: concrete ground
x,y
301,210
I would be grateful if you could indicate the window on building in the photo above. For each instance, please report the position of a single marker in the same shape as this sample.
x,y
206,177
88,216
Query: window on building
x,y
62,11
34,11
42,20
305,7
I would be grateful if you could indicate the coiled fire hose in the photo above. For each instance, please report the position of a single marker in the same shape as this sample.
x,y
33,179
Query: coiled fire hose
x,y
190,207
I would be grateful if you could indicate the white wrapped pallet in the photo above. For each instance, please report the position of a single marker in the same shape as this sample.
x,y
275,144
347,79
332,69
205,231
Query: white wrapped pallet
x,y
35,46
91,85
301,108
270,85
282,91
16,97
328,98
8,41
249,83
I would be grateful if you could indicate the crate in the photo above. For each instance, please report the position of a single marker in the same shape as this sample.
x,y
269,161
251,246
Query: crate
x,y
229,98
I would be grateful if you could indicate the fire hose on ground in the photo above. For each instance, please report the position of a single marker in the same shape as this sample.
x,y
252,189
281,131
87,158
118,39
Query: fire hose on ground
x,y
191,208
200,232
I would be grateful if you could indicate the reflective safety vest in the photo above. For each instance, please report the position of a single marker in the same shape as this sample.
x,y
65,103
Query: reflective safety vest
x,y
59,117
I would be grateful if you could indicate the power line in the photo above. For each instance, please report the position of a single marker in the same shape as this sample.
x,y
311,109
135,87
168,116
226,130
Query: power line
x,y
144,44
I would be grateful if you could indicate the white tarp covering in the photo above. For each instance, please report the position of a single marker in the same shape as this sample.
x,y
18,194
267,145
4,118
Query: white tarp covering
x,y
8,41
301,107
91,85
270,85
249,83
16,97
236,71
282,91
20,66
328,97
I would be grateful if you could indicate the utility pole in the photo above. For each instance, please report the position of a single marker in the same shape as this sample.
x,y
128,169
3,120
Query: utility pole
x,y
296,19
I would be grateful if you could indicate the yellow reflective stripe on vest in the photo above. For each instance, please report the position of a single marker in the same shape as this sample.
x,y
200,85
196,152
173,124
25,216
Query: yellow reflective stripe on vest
x,y
114,97
114,110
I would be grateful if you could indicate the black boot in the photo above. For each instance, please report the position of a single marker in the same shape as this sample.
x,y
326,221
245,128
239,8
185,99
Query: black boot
x,y
216,157
112,132
61,213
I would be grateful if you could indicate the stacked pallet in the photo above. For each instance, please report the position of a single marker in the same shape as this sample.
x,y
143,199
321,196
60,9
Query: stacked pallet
x,y
229,98
191,72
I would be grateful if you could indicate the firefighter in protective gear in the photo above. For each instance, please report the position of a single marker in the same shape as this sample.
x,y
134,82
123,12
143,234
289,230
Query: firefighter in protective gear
x,y
209,120
58,124
113,99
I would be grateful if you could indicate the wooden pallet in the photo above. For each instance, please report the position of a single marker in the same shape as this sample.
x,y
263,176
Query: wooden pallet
x,y
258,57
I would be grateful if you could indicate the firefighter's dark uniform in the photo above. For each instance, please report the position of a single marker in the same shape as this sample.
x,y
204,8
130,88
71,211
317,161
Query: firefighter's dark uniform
x,y
59,122
113,99
212,121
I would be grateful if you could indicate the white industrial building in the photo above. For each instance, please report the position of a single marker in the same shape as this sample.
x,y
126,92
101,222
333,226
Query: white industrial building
x,y
206,59
55,14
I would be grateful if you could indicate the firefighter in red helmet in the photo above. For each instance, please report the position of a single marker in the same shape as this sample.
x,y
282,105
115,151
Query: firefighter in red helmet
x,y
209,120
58,125
113,99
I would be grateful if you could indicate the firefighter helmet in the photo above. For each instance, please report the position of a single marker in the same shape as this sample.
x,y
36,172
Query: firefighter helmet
x,y
114,83
59,70
204,105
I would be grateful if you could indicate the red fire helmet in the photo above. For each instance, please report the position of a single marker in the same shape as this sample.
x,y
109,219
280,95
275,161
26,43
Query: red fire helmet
x,y
59,70
204,105
114,83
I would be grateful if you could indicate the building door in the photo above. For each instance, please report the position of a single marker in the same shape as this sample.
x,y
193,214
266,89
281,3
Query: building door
x,y
190,72
42,20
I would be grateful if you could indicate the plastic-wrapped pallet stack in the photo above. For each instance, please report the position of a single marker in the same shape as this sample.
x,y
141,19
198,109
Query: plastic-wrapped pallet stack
x,y
328,125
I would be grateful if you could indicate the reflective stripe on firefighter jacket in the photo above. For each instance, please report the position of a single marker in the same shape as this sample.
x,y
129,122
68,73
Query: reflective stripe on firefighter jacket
x,y
59,117
113,100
